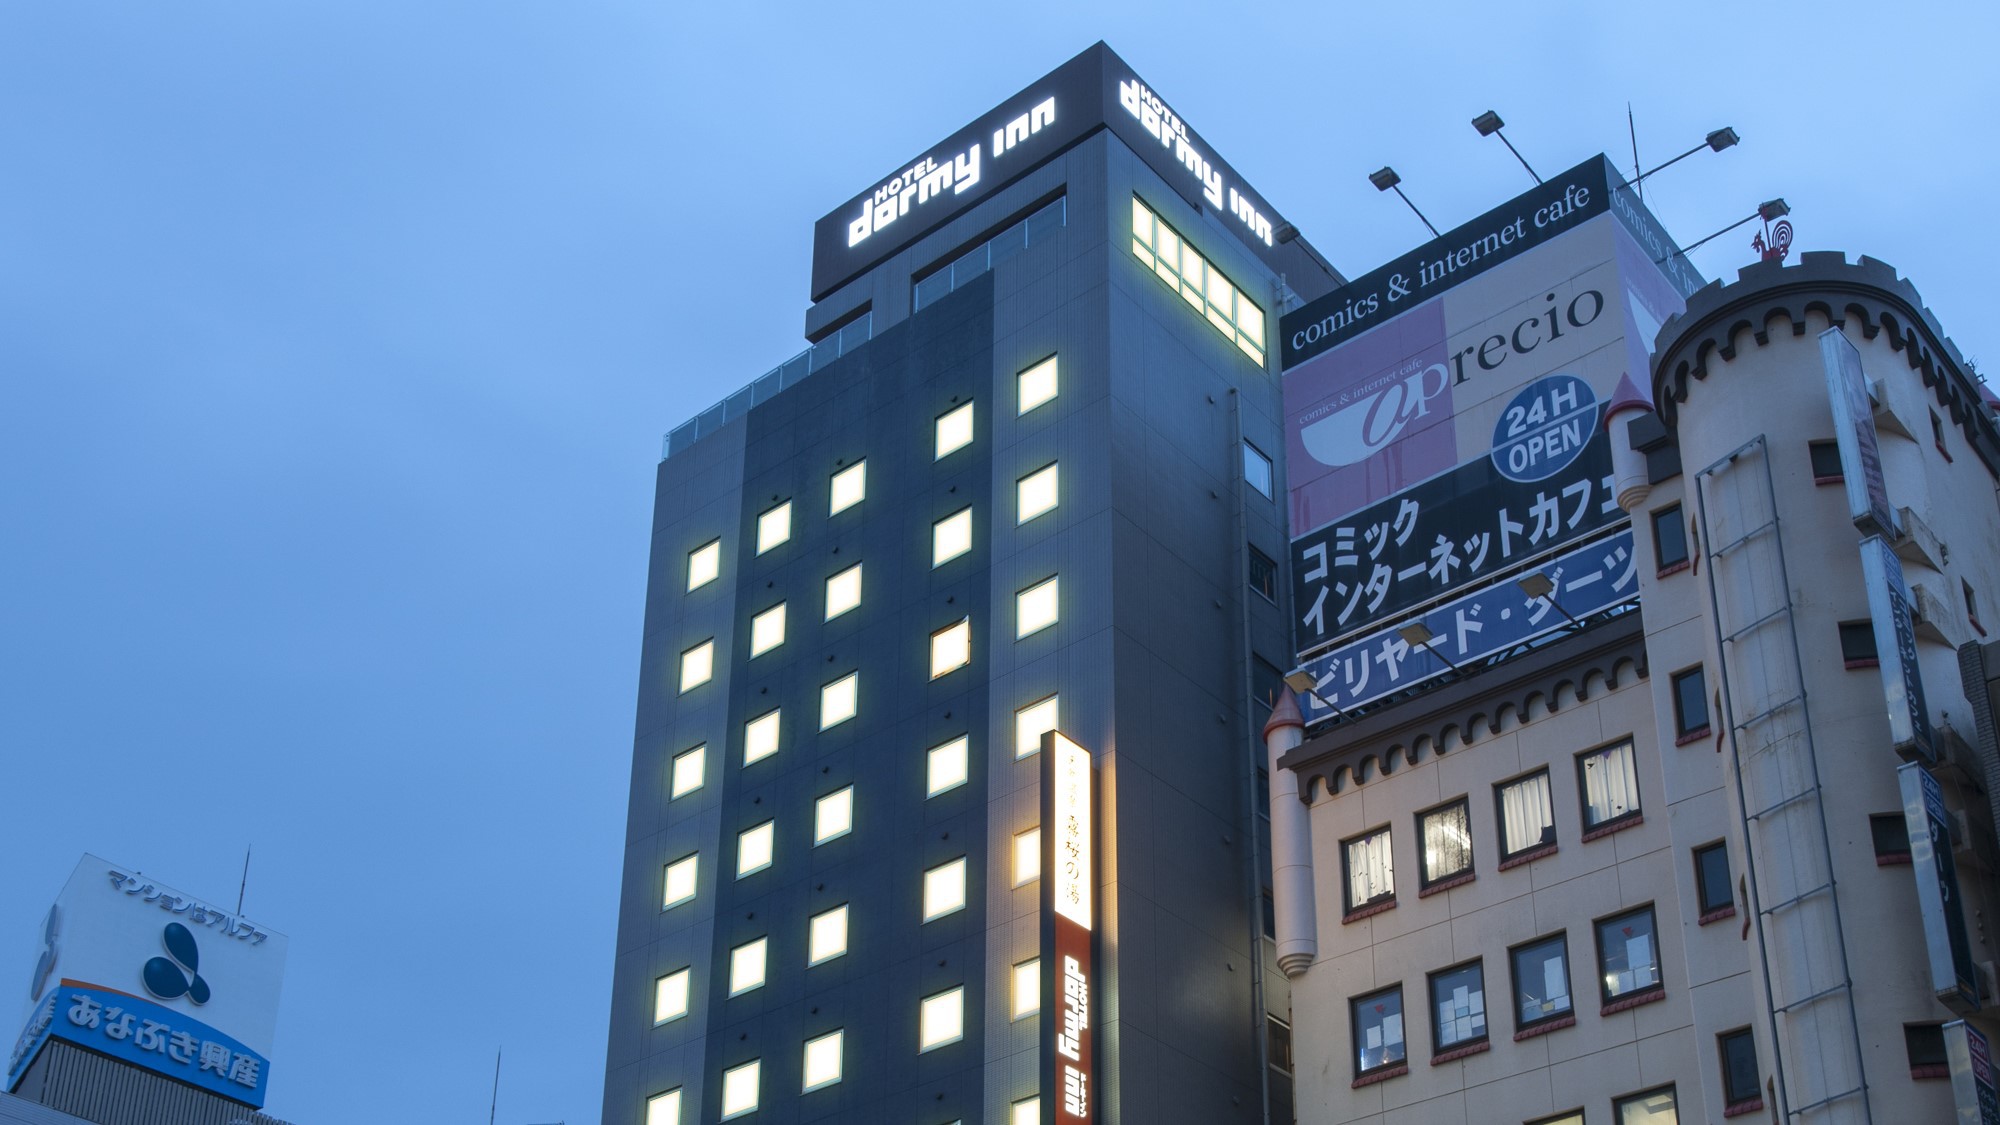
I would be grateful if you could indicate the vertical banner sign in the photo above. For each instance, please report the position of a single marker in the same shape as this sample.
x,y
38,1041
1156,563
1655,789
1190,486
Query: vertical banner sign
x,y
1952,974
1854,426
1068,913
1896,649
1971,1059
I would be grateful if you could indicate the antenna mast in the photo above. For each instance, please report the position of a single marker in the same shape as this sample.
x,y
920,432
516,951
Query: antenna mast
x,y
245,884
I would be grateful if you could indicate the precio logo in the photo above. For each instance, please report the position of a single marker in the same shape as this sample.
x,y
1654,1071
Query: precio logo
x,y
168,979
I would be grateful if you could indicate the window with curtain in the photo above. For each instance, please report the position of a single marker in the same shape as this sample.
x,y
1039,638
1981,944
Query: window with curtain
x,y
1447,842
1371,876
1609,778
1527,816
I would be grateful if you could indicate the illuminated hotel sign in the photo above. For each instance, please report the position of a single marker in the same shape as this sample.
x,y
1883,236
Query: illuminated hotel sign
x,y
1068,856
1093,91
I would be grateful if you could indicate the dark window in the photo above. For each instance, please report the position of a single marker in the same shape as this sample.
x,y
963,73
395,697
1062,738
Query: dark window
x,y
1263,574
1740,1082
1458,1007
1857,643
1892,836
1270,914
1825,460
1527,816
1971,604
1445,837
1573,1117
1628,954
1654,1107
1670,540
1257,469
1378,1030
1925,1044
1690,703
1609,779
1278,1043
1937,433
1541,980
1371,873
1711,876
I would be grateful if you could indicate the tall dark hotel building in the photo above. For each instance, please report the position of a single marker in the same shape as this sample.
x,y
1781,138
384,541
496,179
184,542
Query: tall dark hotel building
x,y
1022,482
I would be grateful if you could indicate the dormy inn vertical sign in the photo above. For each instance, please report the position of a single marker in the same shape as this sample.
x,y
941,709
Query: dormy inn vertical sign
x,y
1069,863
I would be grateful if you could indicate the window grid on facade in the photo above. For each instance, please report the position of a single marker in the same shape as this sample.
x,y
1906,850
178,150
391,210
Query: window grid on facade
x,y
1037,607
947,766
747,966
833,815
754,847
760,737
1628,954
941,1019
1713,886
1027,856
944,889
1444,835
704,565
1541,981
1037,493
1609,780
954,431
847,488
1035,385
697,665
664,1108
826,935
1690,688
1653,1107
1377,1021
1184,270
1670,543
739,1088
1257,470
1026,985
1027,1111
1857,644
1263,573
822,1064
838,700
951,537
1825,458
1031,722
1740,1081
951,647
678,881
1370,870
670,996
843,591
774,527
767,630
1527,815
1890,833
689,770
1458,1007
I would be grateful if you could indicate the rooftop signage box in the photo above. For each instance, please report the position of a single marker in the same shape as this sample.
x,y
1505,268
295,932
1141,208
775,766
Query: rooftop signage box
x,y
1445,417
133,969
1095,90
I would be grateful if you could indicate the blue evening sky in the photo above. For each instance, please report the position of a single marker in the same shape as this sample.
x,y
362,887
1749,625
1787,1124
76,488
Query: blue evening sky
x,y
337,339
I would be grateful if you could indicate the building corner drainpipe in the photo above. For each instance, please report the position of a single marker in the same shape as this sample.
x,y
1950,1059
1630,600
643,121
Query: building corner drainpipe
x,y
1291,844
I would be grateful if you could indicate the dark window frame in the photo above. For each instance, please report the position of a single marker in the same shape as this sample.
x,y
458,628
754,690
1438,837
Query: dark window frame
x,y
1889,834
1971,605
1438,1045
1514,952
1671,515
1704,888
1823,470
1277,1033
1597,928
1383,900
1857,644
1630,816
1425,879
1270,473
1685,733
1549,839
1618,1104
1923,1045
1355,1038
1269,588
1735,1091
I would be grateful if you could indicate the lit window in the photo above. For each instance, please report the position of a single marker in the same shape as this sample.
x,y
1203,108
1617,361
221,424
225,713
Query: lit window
x,y
746,966
1458,997
1035,608
1654,1107
1027,988
753,849
822,1063
1027,1111
826,935
760,737
1447,843
670,996
848,488
951,647
664,1109
767,630
689,766
1035,493
1036,385
947,766
739,1089
833,815
944,889
1031,722
951,537
1178,264
698,665
704,564
1378,1030
1257,469
843,591
1610,780
1028,856
679,885
1371,875
1527,819
774,527
954,431
1541,981
1628,954
941,1019
837,700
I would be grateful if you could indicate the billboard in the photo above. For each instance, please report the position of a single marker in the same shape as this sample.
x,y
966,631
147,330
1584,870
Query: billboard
x,y
1953,977
133,969
1095,90
1445,414
1970,1057
1069,804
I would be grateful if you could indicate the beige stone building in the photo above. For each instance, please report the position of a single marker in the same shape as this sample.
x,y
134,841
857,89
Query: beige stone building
x,y
1658,869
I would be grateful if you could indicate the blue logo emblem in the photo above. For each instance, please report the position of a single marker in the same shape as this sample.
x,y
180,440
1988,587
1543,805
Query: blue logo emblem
x,y
168,979
1544,428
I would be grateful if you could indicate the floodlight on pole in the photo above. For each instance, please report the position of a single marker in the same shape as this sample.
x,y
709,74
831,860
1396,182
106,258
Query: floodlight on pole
x,y
1386,180
1540,587
1418,635
1722,138
1489,125
1767,210
1301,681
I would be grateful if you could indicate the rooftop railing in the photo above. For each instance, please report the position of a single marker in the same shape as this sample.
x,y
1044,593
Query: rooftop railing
x,y
851,335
